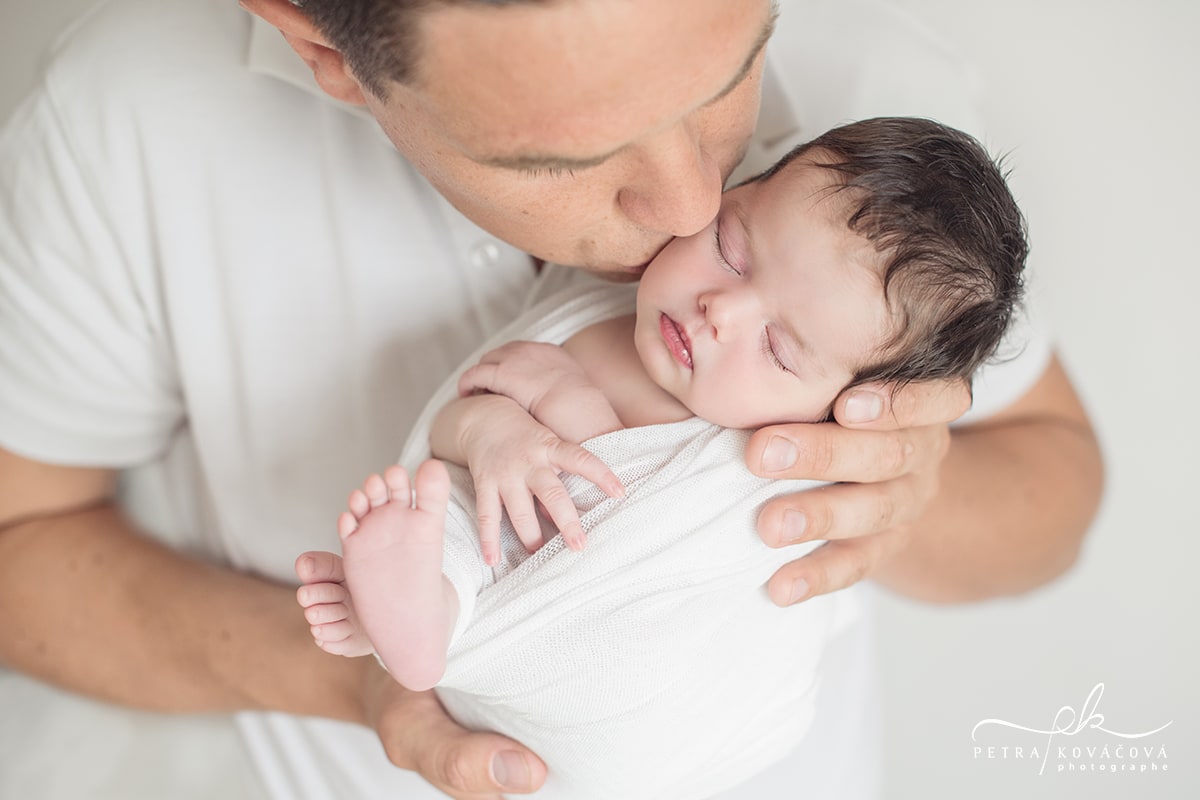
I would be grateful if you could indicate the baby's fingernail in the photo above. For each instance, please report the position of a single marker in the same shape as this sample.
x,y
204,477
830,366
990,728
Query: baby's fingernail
x,y
863,406
779,454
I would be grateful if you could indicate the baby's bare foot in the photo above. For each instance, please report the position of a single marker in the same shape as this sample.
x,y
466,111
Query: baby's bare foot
x,y
392,549
327,605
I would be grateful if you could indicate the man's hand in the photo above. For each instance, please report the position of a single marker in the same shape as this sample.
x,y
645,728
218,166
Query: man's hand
x,y
418,735
884,451
94,606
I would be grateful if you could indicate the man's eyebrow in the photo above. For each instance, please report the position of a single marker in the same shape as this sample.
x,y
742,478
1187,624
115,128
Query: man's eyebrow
x,y
537,161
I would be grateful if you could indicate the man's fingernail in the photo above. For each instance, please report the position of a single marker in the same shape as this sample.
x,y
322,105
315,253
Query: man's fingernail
x,y
863,407
511,772
793,526
799,590
779,454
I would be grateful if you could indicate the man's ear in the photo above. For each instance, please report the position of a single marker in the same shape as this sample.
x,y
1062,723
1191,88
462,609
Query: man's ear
x,y
326,62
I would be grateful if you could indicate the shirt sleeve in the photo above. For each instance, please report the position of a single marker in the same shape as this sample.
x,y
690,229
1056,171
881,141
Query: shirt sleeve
x,y
1018,364
84,361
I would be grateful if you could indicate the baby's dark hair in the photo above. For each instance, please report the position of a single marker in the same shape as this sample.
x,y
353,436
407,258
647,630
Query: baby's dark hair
x,y
938,211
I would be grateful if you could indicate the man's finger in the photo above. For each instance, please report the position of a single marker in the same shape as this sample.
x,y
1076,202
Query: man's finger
x,y
417,734
479,765
878,406
829,452
833,566
842,511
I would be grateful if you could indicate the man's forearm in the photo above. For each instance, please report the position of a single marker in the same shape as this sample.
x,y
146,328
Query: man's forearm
x,y
91,605
1017,496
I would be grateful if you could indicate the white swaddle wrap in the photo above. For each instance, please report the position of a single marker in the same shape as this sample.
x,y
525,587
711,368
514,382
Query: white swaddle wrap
x,y
652,664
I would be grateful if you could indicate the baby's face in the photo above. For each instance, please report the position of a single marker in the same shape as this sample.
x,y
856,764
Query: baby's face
x,y
765,315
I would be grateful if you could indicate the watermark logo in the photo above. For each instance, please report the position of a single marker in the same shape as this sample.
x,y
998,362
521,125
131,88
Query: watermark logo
x,y
1123,754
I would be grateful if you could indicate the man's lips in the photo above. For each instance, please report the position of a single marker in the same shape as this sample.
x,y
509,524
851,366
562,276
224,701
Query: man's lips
x,y
676,339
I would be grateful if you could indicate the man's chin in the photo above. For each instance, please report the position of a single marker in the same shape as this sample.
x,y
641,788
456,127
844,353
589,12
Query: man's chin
x,y
614,276
617,274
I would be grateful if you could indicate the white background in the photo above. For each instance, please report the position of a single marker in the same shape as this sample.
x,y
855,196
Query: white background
x,y
1097,103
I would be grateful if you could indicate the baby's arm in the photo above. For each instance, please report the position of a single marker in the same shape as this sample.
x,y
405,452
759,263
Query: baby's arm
x,y
518,440
548,383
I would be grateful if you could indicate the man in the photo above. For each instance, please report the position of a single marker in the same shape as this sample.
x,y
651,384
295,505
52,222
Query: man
x,y
210,275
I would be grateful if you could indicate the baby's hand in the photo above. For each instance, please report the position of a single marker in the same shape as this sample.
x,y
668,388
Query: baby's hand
x,y
513,460
548,383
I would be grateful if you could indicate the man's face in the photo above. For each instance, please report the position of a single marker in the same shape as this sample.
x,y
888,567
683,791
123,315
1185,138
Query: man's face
x,y
767,314
586,132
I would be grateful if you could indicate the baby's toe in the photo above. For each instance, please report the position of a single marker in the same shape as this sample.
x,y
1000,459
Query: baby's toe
x,y
376,491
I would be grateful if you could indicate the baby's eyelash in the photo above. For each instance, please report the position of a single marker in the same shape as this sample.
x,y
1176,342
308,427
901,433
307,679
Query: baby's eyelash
x,y
720,253
769,351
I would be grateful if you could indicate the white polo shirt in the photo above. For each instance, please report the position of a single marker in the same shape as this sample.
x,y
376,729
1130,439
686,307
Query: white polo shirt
x,y
231,286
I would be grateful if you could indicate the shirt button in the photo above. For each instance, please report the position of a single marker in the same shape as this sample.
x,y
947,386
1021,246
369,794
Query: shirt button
x,y
485,254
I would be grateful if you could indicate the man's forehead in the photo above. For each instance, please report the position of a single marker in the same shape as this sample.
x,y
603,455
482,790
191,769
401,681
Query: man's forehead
x,y
531,82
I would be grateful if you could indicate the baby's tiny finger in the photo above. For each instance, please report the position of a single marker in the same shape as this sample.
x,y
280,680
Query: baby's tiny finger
x,y
523,516
579,461
559,506
574,536
489,510
476,379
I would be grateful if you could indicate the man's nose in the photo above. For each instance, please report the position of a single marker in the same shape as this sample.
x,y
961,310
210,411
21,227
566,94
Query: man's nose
x,y
676,188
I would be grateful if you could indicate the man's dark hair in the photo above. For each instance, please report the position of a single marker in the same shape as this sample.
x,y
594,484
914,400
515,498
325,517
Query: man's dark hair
x,y
938,211
380,39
